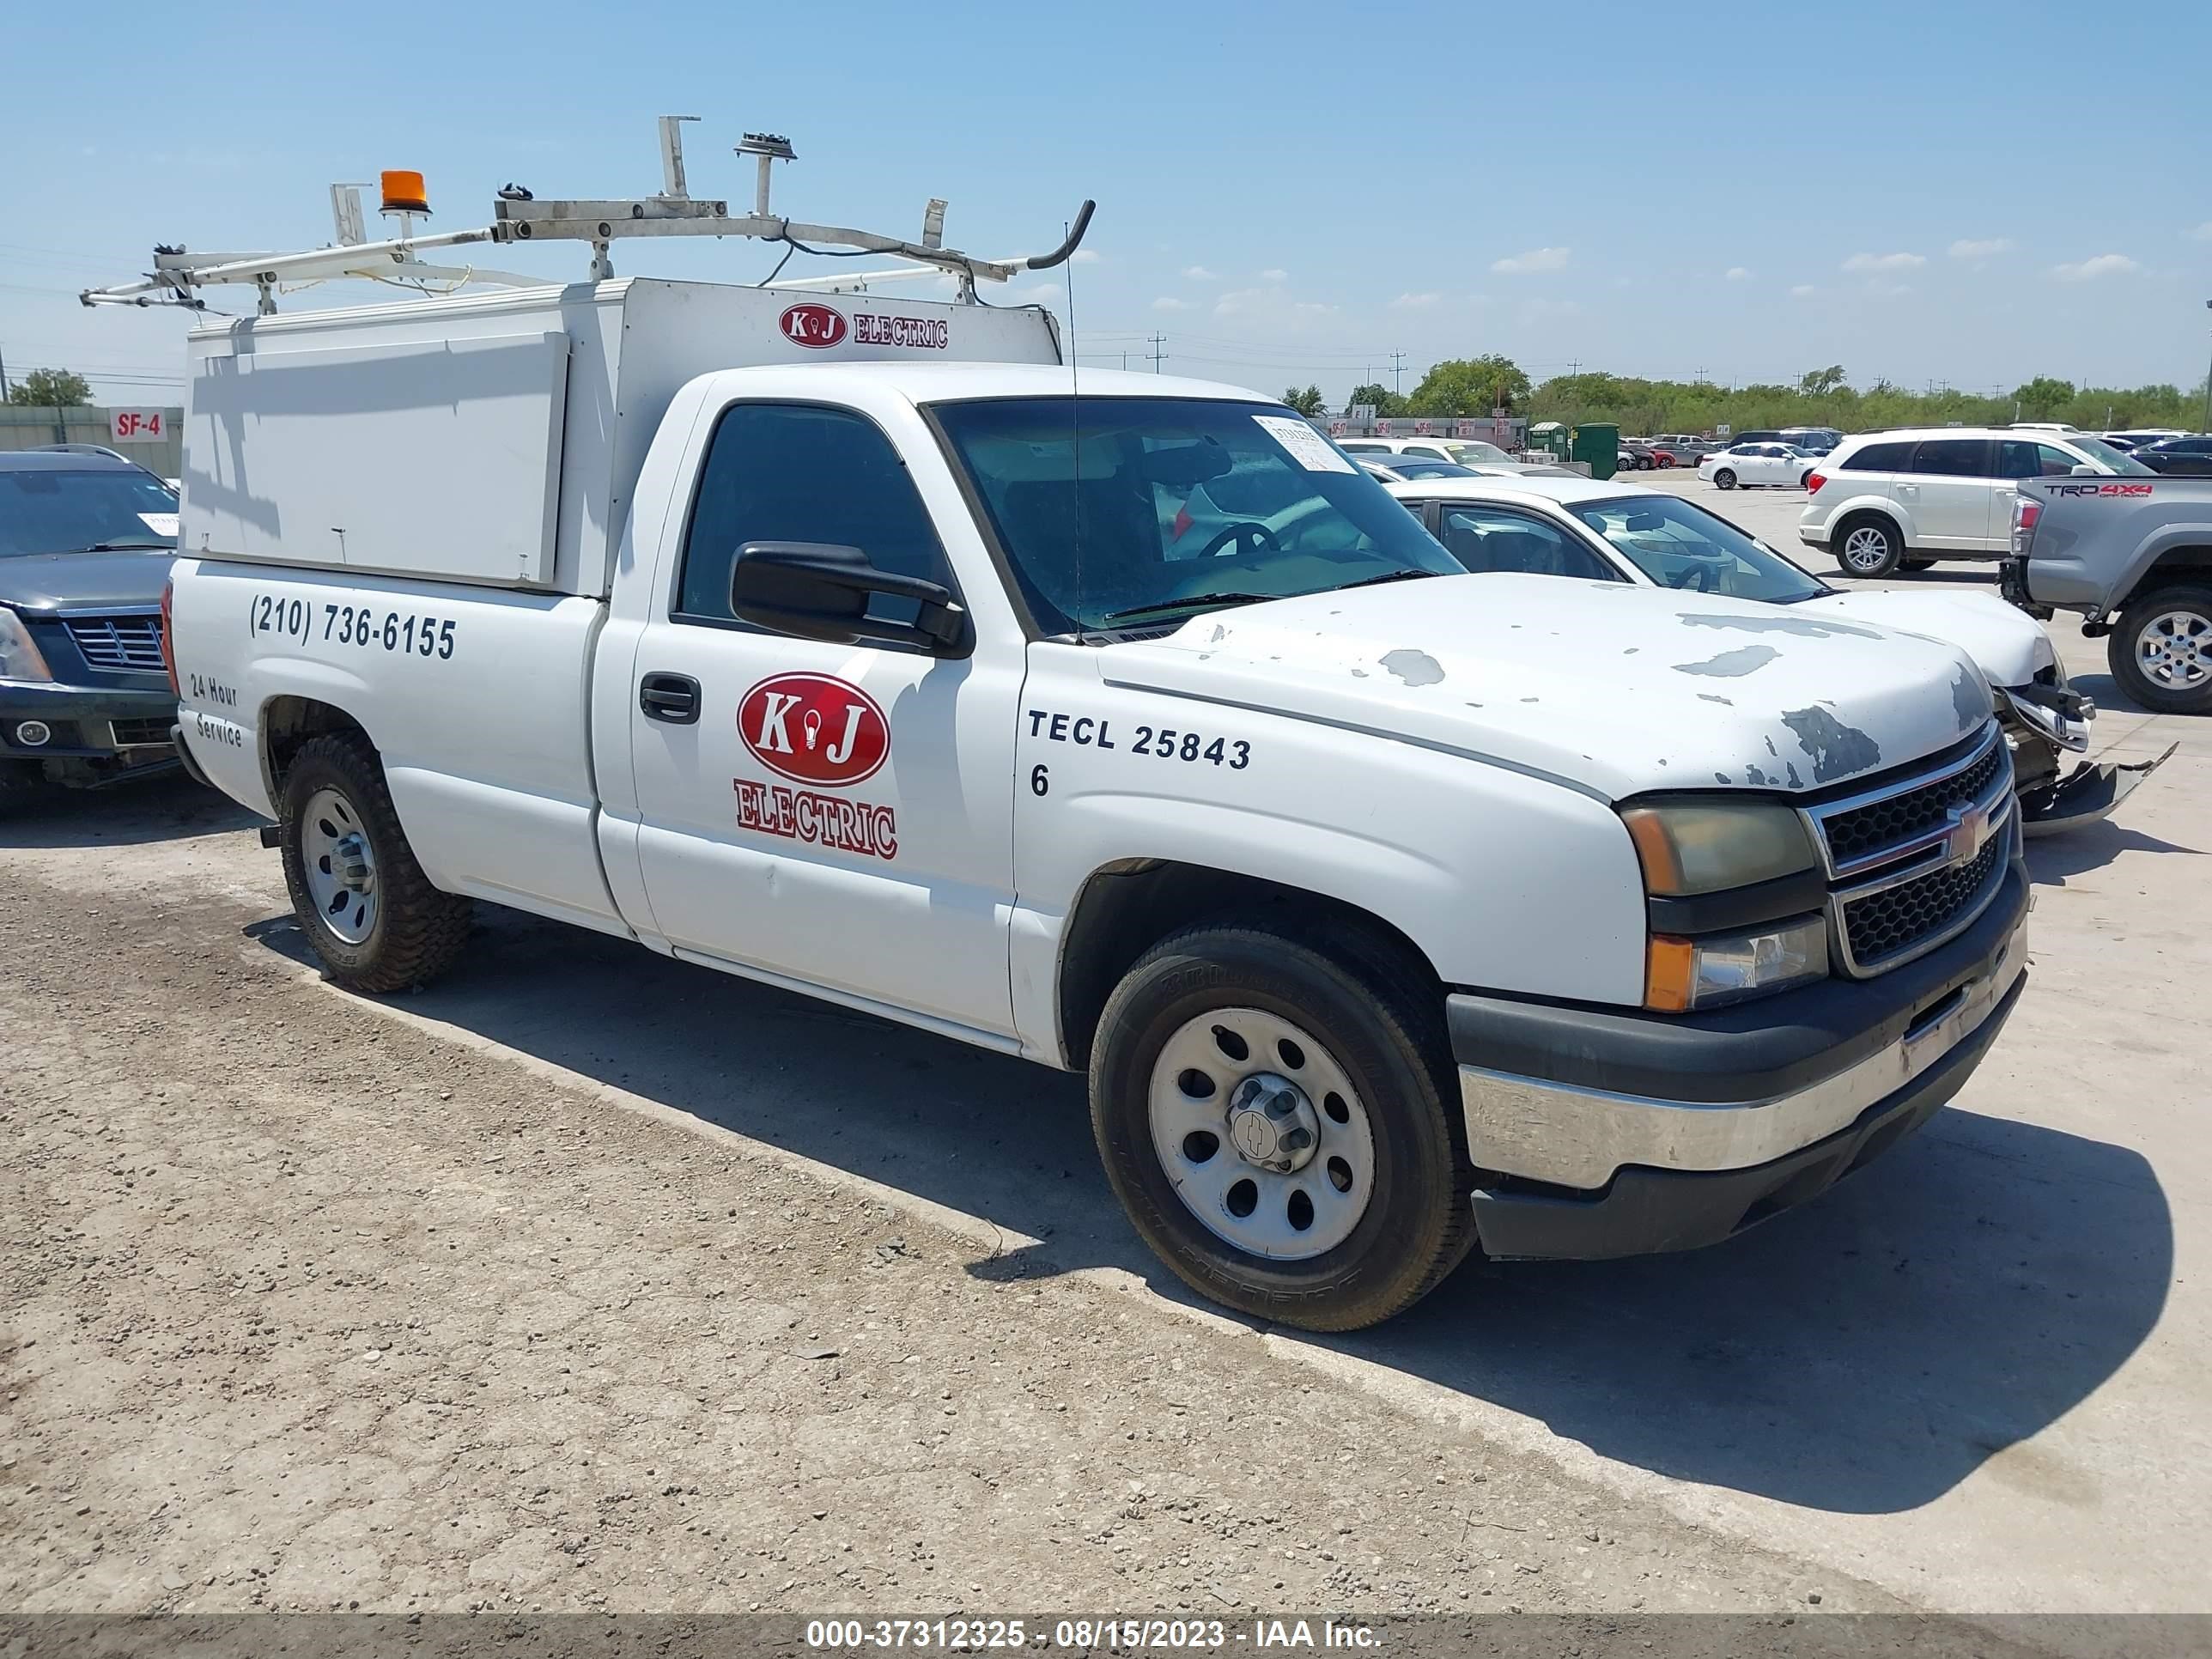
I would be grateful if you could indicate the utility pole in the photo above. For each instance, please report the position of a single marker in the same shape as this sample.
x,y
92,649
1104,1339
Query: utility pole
x,y
1398,373
3,379
2208,388
1158,355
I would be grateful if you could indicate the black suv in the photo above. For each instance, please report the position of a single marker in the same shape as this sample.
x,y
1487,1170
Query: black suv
x,y
86,540
2180,458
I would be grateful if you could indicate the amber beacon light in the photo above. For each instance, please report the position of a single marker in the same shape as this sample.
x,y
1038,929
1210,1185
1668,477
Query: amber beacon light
x,y
404,192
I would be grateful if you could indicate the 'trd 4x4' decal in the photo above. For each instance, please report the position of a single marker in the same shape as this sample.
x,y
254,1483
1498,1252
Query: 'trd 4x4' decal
x,y
813,728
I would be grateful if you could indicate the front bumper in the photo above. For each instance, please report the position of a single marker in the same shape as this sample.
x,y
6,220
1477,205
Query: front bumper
x,y
88,723
1606,1134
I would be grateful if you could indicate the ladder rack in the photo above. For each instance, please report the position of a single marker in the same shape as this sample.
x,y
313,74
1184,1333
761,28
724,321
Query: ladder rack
x,y
519,218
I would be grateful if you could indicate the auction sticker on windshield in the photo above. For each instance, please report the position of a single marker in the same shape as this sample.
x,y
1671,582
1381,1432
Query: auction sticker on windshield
x,y
161,524
1307,446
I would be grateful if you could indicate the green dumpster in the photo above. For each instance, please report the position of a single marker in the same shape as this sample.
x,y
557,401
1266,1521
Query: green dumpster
x,y
1551,437
1598,442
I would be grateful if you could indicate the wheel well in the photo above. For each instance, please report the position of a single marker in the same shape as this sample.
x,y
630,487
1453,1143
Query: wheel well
x,y
288,722
1859,515
2175,565
1125,909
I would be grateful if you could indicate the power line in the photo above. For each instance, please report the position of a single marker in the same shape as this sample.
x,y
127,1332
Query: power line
x,y
1158,355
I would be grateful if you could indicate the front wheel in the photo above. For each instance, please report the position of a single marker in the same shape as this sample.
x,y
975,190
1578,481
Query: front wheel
x,y
1275,1118
2161,650
1725,478
360,895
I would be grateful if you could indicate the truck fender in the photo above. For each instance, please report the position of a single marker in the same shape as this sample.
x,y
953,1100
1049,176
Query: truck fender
x,y
2177,547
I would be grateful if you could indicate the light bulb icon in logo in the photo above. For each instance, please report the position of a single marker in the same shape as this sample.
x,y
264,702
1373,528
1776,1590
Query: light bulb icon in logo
x,y
811,720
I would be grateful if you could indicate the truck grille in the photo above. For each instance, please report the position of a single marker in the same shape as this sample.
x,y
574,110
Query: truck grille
x,y
121,642
1890,922
1916,859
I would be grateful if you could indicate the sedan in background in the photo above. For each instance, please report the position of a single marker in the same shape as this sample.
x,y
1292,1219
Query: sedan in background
x,y
2179,458
1398,469
1751,466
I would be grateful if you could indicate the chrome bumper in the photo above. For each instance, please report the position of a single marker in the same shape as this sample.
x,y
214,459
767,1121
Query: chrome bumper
x,y
1580,1137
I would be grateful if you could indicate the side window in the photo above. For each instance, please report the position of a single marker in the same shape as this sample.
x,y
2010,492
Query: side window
x,y
1488,539
1879,457
2018,457
791,472
1357,446
1952,458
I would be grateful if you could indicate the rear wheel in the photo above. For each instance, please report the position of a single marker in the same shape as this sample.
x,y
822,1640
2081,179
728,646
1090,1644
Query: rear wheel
x,y
1273,1113
1870,547
361,897
1725,478
2161,650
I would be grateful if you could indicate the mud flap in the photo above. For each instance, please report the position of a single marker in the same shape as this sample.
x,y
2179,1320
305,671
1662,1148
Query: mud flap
x,y
2088,794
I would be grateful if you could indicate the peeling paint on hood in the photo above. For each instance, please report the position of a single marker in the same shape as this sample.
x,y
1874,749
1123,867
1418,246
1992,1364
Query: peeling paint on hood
x,y
1832,702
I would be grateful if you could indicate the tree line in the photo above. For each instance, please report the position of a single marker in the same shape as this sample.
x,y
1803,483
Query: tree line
x,y
1821,396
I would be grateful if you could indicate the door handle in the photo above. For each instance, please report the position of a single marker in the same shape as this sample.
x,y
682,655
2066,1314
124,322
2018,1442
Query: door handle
x,y
672,698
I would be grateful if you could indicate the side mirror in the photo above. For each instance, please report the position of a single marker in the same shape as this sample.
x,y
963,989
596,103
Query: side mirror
x,y
2082,471
820,591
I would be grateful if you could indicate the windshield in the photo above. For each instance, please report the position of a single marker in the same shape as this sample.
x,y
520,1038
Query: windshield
x,y
1681,545
2109,456
44,510
1467,454
1108,506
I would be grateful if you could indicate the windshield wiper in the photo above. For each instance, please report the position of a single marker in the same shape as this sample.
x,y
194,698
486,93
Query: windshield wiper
x,y
125,547
1188,602
1387,576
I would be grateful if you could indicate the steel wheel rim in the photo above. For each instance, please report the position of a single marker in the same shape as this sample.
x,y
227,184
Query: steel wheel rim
x,y
1866,550
339,866
1201,1091
1724,478
2174,650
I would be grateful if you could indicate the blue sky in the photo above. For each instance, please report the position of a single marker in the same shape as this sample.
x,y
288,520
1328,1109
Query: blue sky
x,y
1946,191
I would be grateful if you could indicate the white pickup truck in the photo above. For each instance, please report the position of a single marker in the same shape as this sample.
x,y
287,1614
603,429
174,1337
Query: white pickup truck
x,y
849,645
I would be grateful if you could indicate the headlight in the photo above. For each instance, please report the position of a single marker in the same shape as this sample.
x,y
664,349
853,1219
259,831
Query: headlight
x,y
1683,973
19,655
1694,847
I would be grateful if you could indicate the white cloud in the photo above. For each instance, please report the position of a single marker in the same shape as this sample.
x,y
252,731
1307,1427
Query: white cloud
x,y
2105,264
1967,248
1085,256
1885,261
1169,302
2203,232
1803,291
1414,301
1275,274
1200,274
1887,290
1738,273
1535,259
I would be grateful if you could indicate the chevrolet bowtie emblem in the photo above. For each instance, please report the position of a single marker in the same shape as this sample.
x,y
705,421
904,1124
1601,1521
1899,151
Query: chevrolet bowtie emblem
x,y
1968,831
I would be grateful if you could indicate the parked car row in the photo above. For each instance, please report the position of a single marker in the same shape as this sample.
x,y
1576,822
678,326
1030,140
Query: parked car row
x,y
1891,500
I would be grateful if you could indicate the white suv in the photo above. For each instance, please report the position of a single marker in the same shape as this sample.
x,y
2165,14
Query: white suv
x,y
1887,500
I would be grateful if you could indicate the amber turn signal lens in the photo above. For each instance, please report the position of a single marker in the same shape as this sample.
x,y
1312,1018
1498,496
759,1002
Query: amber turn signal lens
x,y
1670,974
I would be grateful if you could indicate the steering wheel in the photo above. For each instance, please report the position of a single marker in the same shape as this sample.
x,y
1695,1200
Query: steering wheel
x,y
1691,575
1251,531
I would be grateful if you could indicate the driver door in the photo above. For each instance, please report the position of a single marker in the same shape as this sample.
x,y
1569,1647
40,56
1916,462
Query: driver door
x,y
835,814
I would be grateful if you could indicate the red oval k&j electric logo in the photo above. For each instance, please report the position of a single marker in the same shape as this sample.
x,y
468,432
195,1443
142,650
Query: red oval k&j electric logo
x,y
815,729
817,327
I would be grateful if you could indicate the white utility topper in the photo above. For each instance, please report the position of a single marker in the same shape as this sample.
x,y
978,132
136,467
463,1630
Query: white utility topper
x,y
855,647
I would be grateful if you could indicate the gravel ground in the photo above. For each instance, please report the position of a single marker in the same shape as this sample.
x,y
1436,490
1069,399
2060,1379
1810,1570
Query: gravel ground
x,y
307,1308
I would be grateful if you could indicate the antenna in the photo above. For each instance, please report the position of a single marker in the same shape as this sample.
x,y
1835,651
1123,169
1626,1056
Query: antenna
x,y
1075,425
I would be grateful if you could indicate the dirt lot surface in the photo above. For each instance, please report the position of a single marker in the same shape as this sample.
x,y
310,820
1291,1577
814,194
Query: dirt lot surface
x,y
587,1280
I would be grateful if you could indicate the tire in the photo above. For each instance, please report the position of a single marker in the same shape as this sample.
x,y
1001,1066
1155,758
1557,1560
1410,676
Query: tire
x,y
2180,619
1868,547
1367,1021
1725,478
402,932
22,787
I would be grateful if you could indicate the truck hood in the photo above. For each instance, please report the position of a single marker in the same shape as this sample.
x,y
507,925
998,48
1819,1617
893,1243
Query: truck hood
x,y
32,582
1608,688
2008,646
